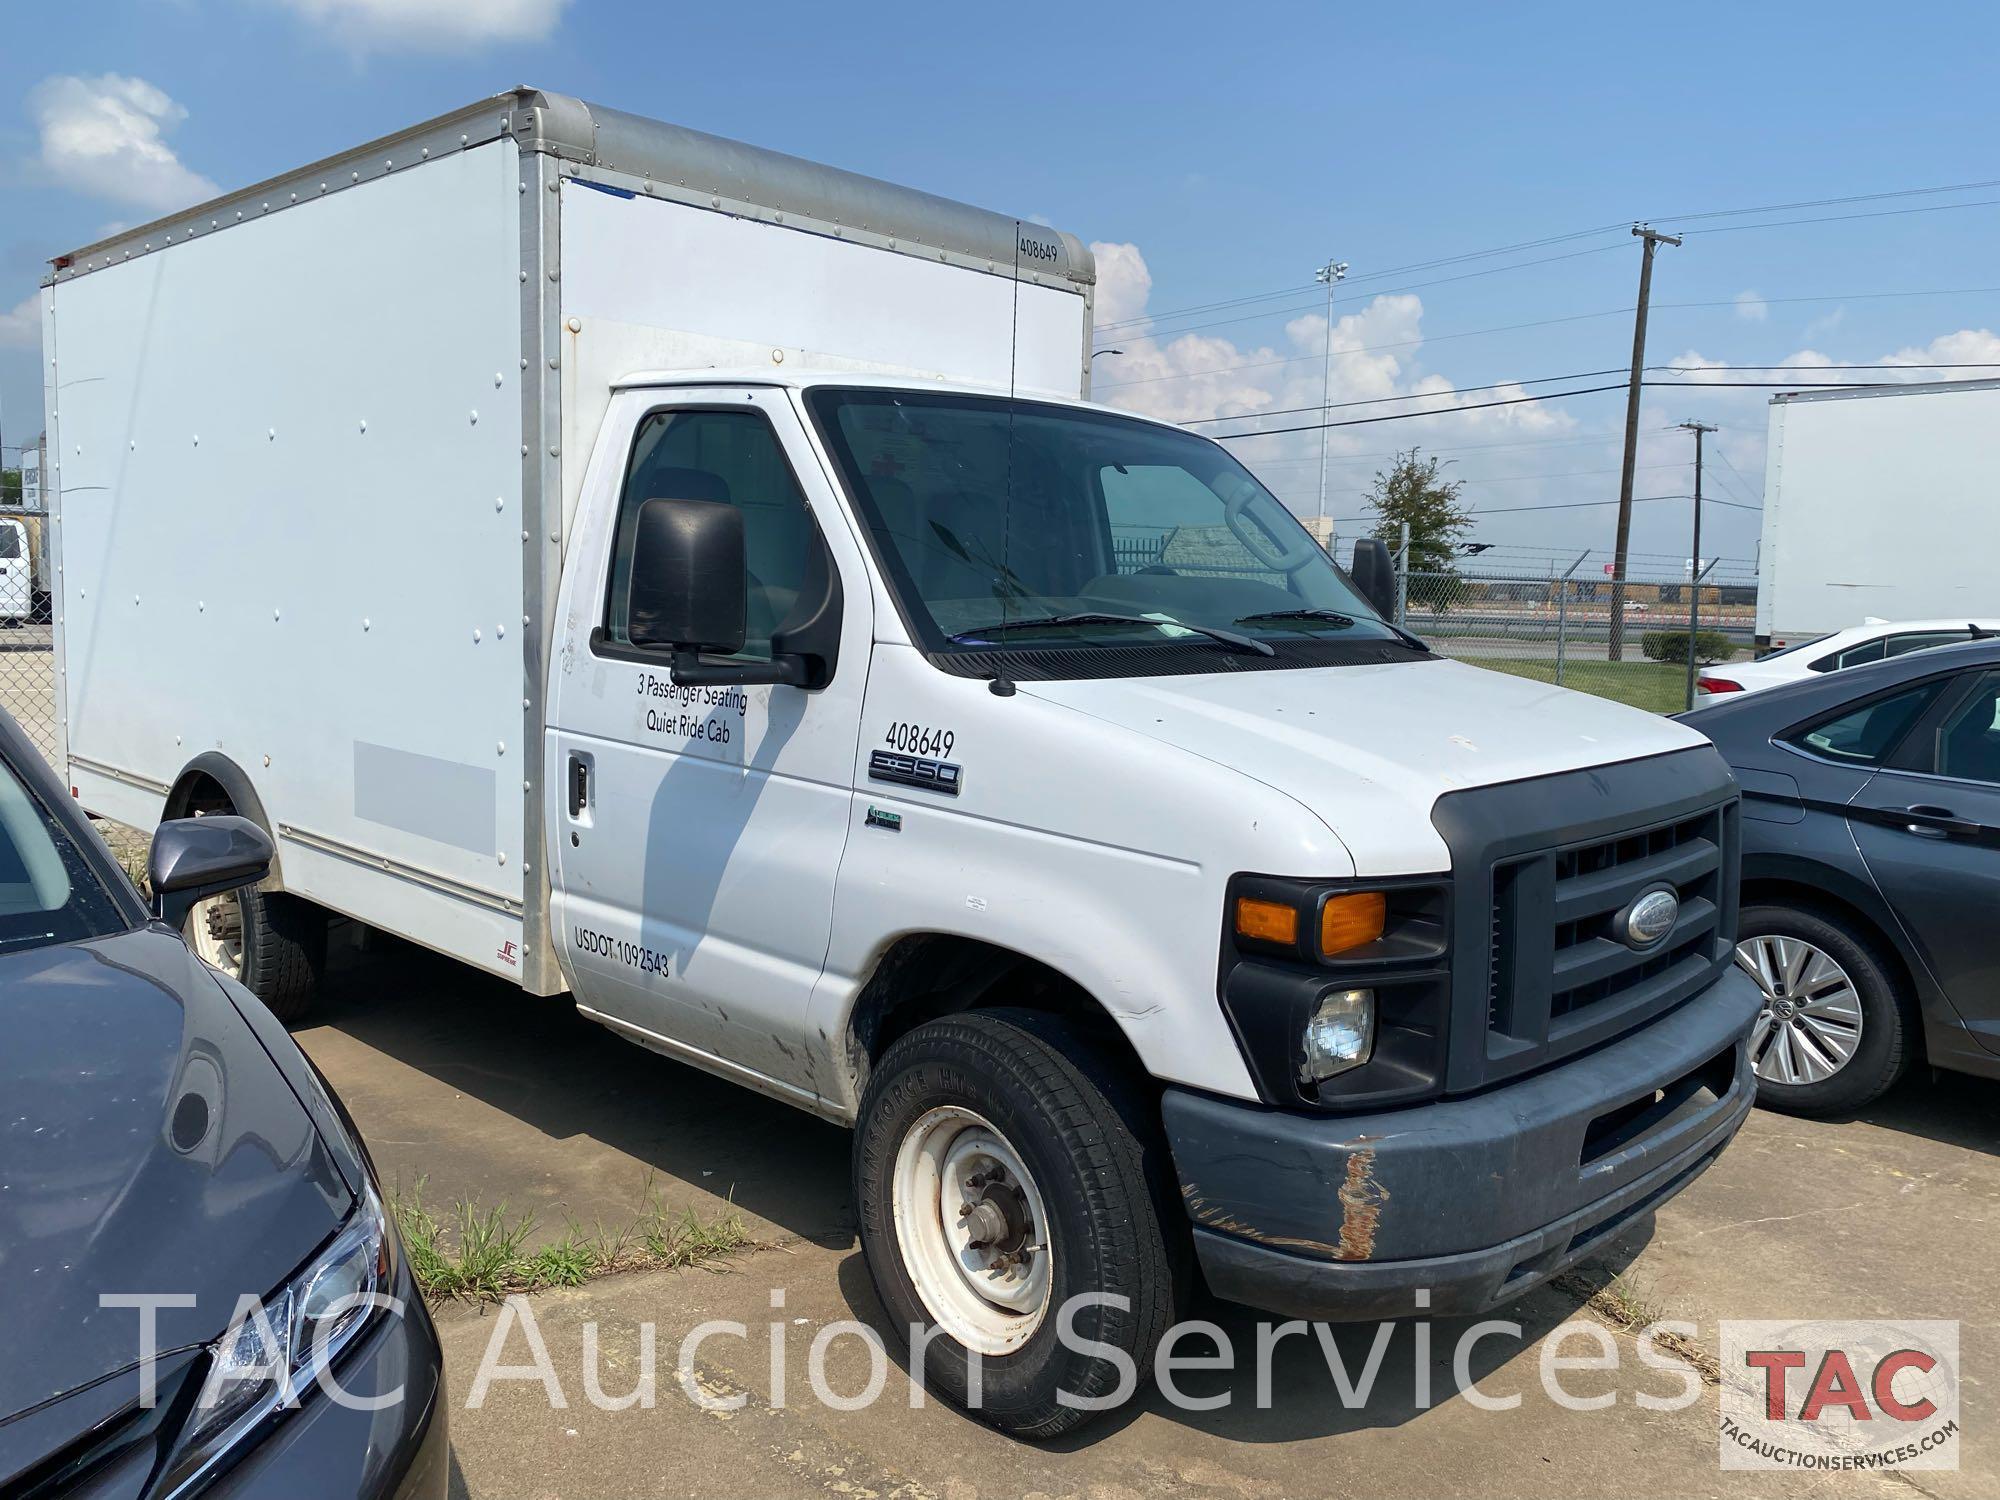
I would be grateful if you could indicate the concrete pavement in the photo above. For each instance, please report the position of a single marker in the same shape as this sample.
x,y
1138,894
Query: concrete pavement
x,y
489,1094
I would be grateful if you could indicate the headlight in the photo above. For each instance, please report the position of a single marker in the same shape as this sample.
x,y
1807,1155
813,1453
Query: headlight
x,y
1340,1035
273,1350
1339,992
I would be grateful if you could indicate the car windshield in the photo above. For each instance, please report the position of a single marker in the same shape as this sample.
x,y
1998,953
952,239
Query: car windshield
x,y
1048,526
48,892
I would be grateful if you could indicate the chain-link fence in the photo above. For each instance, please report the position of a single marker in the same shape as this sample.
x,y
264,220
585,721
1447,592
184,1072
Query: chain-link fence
x,y
1549,616
27,643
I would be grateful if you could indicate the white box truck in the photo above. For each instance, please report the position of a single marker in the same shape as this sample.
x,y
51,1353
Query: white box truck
x,y
1881,503
680,578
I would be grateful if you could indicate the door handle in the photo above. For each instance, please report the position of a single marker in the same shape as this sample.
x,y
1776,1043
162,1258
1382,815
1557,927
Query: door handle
x,y
1928,821
579,785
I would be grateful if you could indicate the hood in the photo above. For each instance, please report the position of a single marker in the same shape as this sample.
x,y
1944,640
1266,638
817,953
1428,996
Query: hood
x,y
1370,748
148,1144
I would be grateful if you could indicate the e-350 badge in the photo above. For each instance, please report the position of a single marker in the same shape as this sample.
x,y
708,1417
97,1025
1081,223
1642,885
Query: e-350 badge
x,y
914,770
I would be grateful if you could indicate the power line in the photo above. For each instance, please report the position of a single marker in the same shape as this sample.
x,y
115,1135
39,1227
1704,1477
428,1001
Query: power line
x,y
1119,329
1589,390
1609,312
1573,235
1398,416
1880,213
1498,385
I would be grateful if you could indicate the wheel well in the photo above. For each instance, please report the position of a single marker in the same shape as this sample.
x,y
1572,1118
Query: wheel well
x,y
927,975
212,783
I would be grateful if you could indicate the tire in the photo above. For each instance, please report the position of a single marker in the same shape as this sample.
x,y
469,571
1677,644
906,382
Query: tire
x,y
1094,1165
1887,1020
279,949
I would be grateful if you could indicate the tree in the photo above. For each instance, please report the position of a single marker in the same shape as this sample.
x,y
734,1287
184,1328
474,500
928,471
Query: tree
x,y
10,486
1414,490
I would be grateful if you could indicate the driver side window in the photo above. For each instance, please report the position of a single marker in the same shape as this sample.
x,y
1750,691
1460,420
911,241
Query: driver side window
x,y
730,456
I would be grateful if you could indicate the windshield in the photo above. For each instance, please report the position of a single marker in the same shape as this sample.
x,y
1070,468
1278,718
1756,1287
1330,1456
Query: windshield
x,y
47,891
1020,524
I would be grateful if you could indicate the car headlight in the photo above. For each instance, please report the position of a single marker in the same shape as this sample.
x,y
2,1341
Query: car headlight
x,y
274,1350
1340,1035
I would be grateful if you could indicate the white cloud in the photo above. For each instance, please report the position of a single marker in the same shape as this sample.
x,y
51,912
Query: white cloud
x,y
432,25
1751,307
105,136
1123,284
1966,347
1192,377
22,327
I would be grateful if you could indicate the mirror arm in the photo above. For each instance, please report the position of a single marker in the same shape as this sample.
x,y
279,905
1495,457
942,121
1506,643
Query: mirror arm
x,y
692,669
172,907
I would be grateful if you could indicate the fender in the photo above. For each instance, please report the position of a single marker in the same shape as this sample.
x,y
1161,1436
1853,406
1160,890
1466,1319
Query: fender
x,y
243,800
1860,894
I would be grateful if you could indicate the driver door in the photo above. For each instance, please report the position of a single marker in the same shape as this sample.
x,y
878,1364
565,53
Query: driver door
x,y
701,828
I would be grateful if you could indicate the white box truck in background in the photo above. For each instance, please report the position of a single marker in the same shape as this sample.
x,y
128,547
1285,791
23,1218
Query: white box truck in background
x,y
1879,504
677,576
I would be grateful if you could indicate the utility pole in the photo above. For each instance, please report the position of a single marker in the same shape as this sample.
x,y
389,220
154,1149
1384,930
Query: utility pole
x,y
1695,569
1328,276
1652,239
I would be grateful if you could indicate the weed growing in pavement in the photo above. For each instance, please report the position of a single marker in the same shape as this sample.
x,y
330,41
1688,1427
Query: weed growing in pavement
x,y
481,1255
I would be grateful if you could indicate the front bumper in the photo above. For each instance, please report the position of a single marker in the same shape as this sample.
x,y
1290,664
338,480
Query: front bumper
x,y
1474,1200
401,1452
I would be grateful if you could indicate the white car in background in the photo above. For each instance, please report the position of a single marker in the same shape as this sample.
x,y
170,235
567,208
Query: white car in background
x,y
1872,640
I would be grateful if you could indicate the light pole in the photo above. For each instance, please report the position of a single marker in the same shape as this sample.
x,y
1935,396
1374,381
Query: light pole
x,y
1695,569
1328,276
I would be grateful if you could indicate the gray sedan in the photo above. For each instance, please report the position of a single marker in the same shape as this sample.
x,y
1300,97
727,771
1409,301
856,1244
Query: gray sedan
x,y
1871,872
167,1152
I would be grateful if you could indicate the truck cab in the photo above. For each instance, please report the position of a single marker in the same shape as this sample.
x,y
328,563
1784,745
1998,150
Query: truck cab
x,y
916,739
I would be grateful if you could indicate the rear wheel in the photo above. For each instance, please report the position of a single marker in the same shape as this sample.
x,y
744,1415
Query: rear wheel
x,y
1835,1030
1001,1170
272,944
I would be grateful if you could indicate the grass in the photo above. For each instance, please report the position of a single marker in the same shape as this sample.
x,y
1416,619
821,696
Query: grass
x,y
1655,685
1617,1302
475,1254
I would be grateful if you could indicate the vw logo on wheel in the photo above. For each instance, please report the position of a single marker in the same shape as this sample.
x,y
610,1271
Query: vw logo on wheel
x,y
1649,918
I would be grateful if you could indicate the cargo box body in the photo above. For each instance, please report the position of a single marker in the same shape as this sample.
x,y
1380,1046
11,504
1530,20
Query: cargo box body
x,y
313,449
1879,504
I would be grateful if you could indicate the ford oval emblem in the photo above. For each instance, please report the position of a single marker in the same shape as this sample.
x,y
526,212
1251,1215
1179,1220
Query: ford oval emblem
x,y
1650,918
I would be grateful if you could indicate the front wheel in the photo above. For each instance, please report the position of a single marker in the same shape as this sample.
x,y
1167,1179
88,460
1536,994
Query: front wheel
x,y
1004,1184
1834,1032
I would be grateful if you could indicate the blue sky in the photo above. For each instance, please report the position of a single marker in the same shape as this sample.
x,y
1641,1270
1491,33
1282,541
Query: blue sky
x,y
1214,153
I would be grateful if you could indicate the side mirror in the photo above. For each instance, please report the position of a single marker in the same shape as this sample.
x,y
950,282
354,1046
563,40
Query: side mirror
x,y
1374,573
689,588
195,858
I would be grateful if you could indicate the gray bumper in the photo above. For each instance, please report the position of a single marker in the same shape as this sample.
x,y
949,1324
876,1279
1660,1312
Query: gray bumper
x,y
1474,1200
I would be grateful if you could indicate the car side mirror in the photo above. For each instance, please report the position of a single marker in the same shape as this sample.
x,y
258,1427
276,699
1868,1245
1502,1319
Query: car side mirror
x,y
1374,574
690,591
195,858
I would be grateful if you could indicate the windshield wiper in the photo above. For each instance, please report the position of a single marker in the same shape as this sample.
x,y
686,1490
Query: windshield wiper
x,y
1331,617
1229,638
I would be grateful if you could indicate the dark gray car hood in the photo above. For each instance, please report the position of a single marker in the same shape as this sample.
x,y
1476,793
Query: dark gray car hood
x,y
148,1144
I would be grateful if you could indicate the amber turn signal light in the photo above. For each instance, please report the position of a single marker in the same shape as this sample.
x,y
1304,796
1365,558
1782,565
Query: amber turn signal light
x,y
1267,921
1349,921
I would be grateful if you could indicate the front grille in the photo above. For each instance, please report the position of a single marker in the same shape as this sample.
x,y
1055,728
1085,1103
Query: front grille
x,y
1553,977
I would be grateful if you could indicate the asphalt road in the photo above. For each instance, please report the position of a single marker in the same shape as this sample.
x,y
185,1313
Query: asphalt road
x,y
483,1093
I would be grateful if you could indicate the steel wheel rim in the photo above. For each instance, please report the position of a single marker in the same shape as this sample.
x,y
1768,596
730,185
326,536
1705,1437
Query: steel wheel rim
x,y
1811,1023
989,1295
215,932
